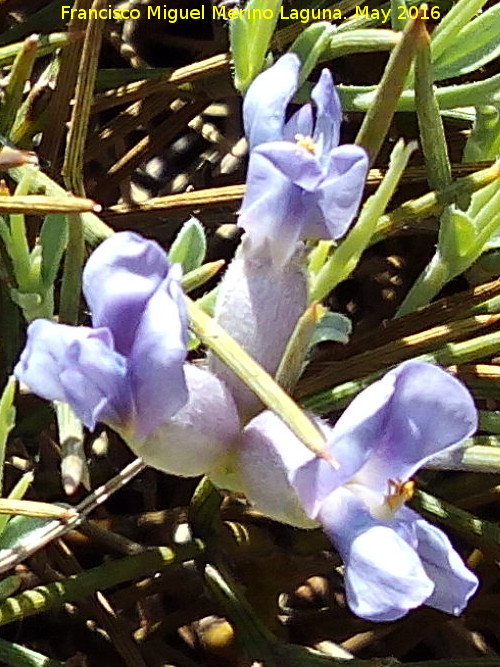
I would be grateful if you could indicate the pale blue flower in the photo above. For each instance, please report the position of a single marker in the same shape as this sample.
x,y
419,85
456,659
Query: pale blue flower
x,y
129,370
300,183
394,560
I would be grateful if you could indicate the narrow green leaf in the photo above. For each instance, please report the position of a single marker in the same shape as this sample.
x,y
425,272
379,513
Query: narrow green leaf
x,y
477,44
5,234
69,305
457,233
103,577
489,420
332,327
32,304
48,44
250,36
16,655
430,124
310,45
53,239
484,140
448,28
463,352
292,362
399,14
477,93
379,115
198,277
21,530
19,75
190,246
17,493
7,419
10,585
346,257
341,44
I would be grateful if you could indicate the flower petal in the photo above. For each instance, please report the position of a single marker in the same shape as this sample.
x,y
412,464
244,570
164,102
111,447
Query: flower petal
x,y
268,451
272,209
267,98
350,443
95,381
40,363
199,434
288,197
119,278
157,357
76,365
328,115
454,582
384,577
301,122
296,163
340,193
429,411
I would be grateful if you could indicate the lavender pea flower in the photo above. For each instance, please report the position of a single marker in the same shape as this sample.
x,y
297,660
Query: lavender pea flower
x,y
394,560
300,183
129,370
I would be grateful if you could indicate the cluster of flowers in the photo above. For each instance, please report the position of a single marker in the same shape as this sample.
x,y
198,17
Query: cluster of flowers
x,y
129,370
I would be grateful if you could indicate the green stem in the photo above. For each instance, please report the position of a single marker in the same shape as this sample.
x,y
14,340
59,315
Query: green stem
x,y
430,124
72,271
477,93
454,353
103,577
19,248
457,519
204,510
379,115
20,656
489,421
427,286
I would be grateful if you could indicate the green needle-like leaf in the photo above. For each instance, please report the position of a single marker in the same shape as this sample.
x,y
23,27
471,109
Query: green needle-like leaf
x,y
7,419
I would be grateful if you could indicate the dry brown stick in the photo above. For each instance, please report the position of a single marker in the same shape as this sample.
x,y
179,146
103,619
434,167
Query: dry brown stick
x,y
136,114
59,106
439,312
319,375
78,129
140,89
150,145
121,214
40,205
185,201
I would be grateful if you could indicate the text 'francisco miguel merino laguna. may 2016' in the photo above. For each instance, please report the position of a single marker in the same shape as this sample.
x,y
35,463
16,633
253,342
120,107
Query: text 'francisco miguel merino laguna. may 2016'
x,y
174,14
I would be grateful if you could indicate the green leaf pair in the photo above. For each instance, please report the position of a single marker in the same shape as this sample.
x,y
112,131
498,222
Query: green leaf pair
x,y
250,36
34,271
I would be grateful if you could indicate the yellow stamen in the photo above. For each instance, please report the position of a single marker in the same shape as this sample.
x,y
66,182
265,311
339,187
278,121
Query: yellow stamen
x,y
307,143
399,493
